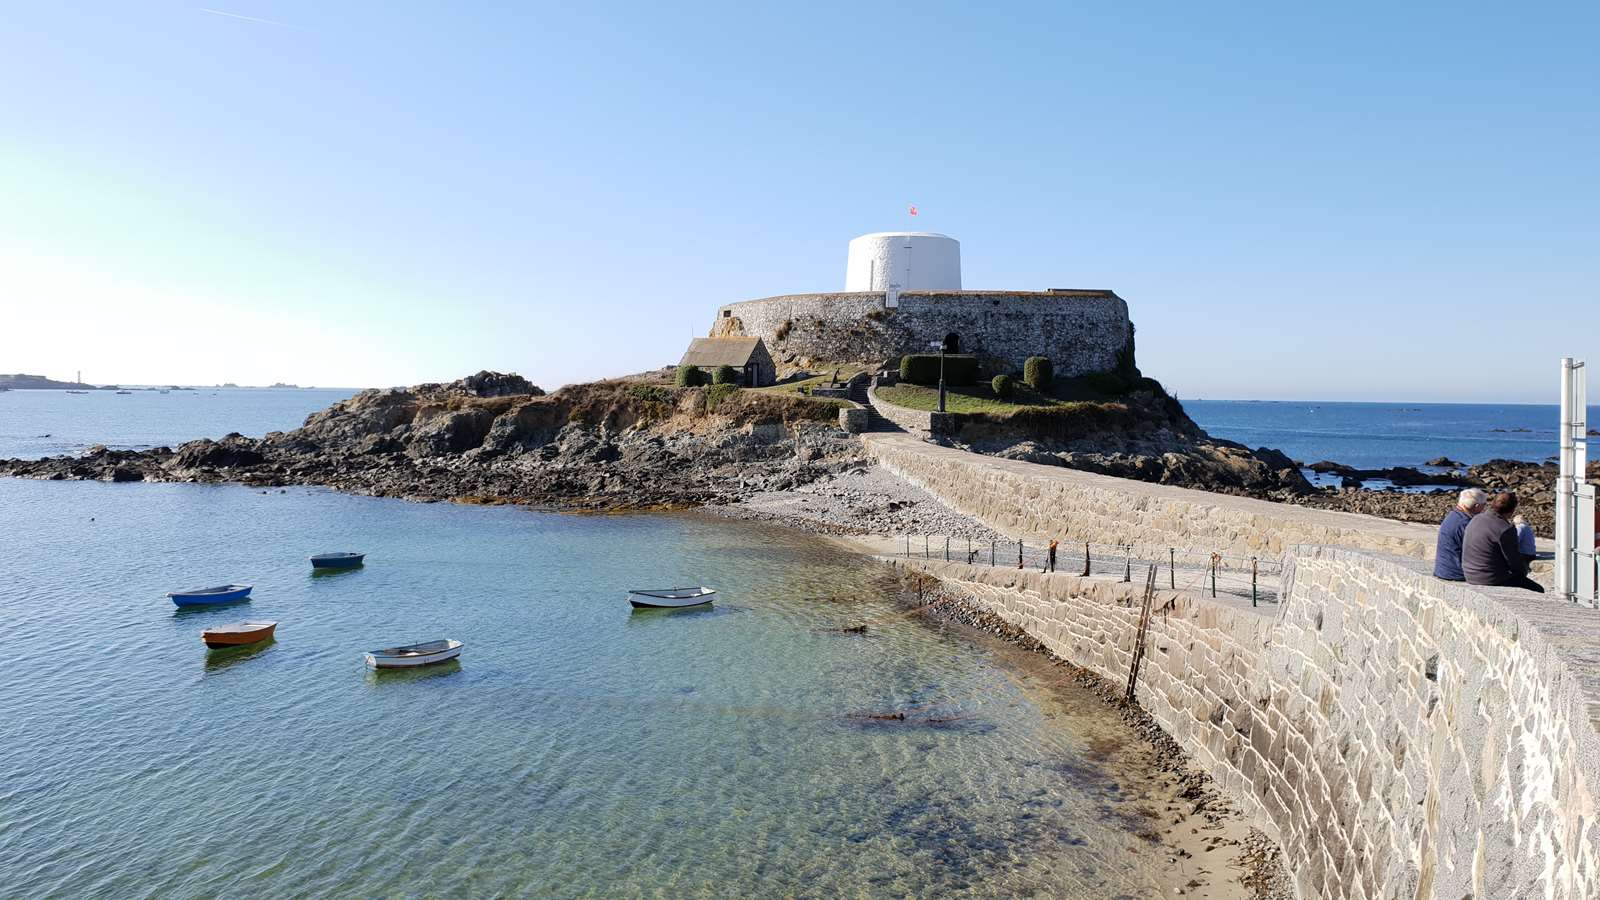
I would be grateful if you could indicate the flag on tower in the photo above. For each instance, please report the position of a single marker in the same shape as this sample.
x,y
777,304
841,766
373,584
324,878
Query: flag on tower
x,y
911,208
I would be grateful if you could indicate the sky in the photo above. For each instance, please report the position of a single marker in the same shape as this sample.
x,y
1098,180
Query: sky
x,y
1352,202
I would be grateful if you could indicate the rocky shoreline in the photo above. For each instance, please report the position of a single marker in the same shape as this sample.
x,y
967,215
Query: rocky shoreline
x,y
635,445
493,438
1533,483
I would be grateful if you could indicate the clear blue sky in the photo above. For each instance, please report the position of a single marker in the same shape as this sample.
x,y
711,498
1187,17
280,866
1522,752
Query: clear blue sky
x,y
1366,201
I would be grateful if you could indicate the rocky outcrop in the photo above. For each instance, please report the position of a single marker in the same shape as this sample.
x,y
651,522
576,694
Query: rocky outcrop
x,y
1533,483
1144,435
1400,476
496,438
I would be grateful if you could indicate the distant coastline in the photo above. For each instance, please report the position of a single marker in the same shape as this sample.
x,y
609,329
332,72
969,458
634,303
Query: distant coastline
x,y
22,382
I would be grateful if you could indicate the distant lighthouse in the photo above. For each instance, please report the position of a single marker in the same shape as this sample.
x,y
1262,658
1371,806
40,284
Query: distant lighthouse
x,y
903,261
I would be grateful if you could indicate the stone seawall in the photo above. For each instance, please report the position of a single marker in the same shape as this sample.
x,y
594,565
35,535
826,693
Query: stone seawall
x,y
1082,332
1031,500
1398,736
916,422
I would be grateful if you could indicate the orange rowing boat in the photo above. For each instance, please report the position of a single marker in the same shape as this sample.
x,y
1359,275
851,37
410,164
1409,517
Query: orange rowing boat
x,y
237,634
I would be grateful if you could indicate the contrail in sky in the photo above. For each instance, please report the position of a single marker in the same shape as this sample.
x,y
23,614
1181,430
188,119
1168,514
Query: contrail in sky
x,y
218,12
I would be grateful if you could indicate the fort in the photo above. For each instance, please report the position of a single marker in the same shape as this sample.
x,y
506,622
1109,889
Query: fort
x,y
903,291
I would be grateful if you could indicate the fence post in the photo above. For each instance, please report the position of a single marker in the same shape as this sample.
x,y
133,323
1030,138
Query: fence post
x,y
1252,581
1019,554
925,547
1172,568
1086,559
991,553
1127,568
947,548
1215,558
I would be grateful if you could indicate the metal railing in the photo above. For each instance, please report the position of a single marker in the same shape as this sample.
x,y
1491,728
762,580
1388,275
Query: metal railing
x,y
1259,579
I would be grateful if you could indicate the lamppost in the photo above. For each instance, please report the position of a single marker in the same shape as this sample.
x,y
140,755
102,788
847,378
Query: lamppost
x,y
939,345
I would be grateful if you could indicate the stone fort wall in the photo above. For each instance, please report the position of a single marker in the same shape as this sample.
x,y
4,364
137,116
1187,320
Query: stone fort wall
x,y
1081,331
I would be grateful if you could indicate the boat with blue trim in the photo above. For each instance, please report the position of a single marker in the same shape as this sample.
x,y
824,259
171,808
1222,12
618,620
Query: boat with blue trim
x,y
222,593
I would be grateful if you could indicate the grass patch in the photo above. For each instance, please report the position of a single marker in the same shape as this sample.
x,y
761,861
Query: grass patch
x,y
816,381
968,398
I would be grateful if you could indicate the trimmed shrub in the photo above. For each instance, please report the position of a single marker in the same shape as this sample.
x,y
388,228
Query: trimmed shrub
x,y
923,369
1003,386
1038,372
725,375
690,376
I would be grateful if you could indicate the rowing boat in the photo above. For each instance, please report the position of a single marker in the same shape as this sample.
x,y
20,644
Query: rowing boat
x,y
670,598
237,634
337,560
414,654
222,593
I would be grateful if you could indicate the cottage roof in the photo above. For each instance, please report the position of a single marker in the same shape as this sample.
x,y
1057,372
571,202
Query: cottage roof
x,y
720,351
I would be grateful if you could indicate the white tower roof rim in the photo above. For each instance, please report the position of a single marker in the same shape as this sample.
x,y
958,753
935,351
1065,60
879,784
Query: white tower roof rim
x,y
932,234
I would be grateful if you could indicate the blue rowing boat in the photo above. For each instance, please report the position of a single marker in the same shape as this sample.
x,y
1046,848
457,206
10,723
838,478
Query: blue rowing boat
x,y
337,560
222,593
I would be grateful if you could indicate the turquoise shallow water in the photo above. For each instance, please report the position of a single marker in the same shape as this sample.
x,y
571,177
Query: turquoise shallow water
x,y
577,749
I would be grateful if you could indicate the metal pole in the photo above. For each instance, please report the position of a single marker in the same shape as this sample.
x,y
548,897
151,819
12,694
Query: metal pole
x,y
1252,581
1214,558
991,553
941,376
1019,554
1086,559
1564,485
924,546
947,548
1172,568
1127,568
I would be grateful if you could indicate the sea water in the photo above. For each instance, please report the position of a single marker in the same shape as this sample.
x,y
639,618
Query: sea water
x,y
35,424
1381,435
577,748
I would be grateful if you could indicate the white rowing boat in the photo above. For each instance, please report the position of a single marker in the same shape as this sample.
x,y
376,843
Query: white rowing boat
x,y
414,654
670,598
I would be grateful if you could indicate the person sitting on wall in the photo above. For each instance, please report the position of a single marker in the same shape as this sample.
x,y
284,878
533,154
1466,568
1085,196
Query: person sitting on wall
x,y
1525,539
1447,554
1489,551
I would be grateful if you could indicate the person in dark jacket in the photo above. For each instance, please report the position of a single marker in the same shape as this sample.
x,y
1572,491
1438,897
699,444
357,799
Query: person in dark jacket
x,y
1489,551
1447,554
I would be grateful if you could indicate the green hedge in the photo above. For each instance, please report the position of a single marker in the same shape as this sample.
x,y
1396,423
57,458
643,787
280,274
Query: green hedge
x,y
923,368
690,376
1003,386
725,375
1038,372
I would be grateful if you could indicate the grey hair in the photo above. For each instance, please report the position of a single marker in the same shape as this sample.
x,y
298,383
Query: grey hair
x,y
1472,498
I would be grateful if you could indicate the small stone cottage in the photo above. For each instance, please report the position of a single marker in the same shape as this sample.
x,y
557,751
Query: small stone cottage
x,y
747,355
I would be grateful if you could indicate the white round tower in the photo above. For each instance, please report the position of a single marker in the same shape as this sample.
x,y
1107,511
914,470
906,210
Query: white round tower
x,y
905,261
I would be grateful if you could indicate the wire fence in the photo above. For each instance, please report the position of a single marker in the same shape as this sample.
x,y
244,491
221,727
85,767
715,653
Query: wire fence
x,y
1260,580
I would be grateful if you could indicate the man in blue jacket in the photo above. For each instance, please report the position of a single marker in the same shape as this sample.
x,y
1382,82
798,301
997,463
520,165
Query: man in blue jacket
x,y
1447,554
